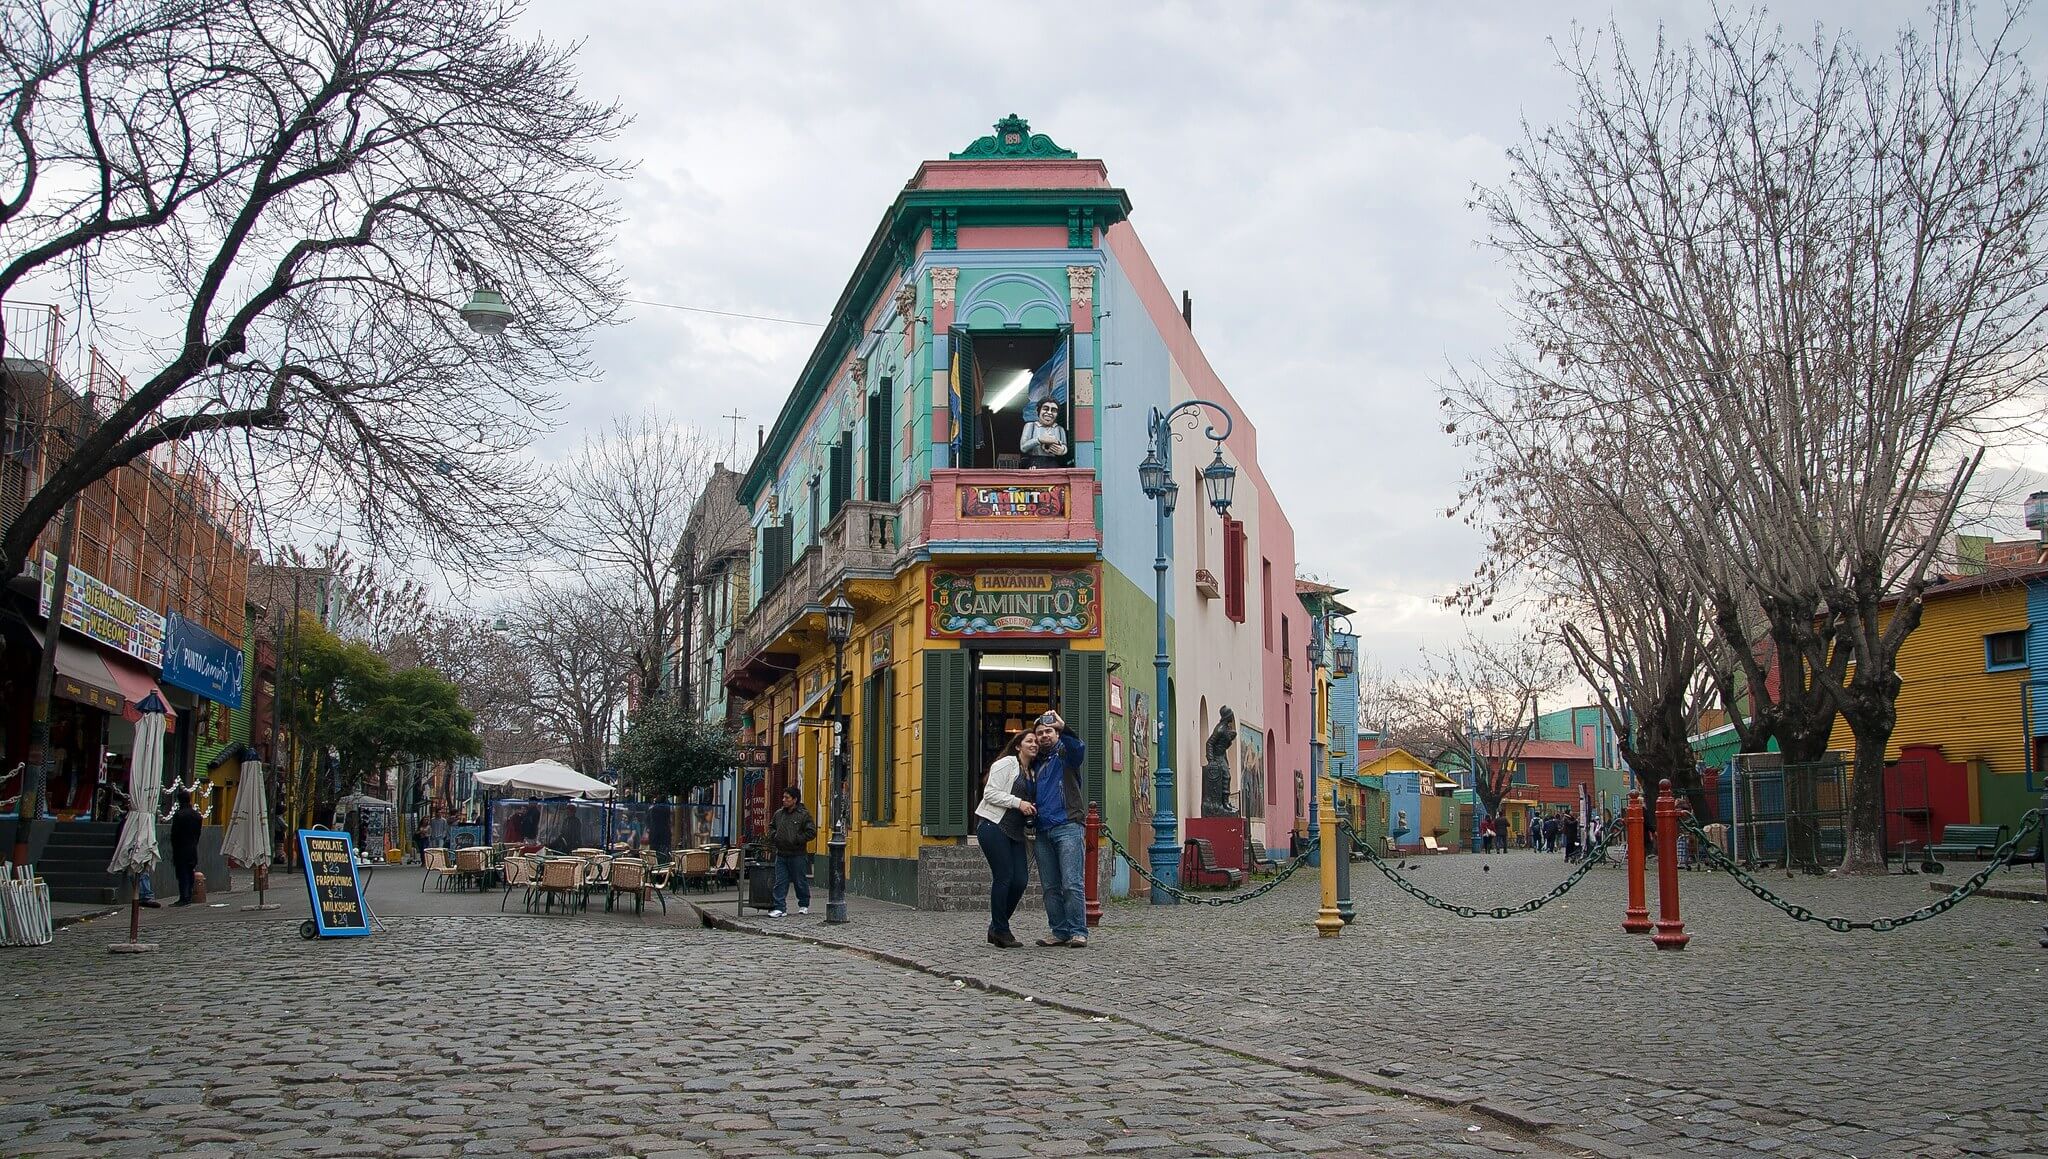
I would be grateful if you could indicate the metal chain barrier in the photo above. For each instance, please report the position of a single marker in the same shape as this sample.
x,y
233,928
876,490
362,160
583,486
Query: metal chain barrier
x,y
1138,867
2000,857
1595,855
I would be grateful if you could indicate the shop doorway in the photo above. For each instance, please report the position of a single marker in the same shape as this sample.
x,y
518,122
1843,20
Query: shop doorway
x,y
1009,691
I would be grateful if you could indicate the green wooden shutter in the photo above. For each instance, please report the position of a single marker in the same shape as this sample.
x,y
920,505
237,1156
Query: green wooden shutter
x,y
881,443
887,794
870,744
1084,701
945,743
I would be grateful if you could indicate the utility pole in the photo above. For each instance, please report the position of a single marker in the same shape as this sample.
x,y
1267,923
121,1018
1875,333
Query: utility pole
x,y
36,776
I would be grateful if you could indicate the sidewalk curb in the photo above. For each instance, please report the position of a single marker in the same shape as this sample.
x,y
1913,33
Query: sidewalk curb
x,y
1509,1117
58,923
1997,892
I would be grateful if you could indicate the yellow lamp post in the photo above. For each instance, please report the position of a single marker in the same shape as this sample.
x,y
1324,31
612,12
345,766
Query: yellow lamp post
x,y
1329,922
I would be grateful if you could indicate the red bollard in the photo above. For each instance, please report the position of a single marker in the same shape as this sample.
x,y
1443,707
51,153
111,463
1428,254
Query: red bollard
x,y
1637,920
1670,933
1091,877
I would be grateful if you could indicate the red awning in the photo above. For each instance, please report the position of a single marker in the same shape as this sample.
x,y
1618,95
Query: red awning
x,y
136,686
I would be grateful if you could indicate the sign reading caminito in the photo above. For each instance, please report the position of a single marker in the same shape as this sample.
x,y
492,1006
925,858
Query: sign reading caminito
x,y
331,882
1013,602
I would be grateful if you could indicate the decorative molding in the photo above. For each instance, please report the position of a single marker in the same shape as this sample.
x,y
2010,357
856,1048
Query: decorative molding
x,y
1013,138
860,372
944,280
1080,228
906,302
1081,286
1043,297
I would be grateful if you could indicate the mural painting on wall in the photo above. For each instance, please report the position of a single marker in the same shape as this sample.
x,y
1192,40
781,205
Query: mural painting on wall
x,y
1014,502
1054,602
1141,761
1251,764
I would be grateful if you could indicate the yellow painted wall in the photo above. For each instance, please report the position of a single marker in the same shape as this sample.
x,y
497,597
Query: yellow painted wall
x,y
1945,695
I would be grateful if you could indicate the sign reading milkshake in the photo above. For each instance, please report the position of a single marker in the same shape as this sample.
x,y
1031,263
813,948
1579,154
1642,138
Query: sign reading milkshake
x,y
1009,602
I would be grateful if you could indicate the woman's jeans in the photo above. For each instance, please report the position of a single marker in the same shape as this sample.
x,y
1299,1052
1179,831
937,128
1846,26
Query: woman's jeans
x,y
1009,872
1062,855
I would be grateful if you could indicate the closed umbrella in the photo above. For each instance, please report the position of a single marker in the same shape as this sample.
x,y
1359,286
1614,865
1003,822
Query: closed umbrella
x,y
247,841
136,850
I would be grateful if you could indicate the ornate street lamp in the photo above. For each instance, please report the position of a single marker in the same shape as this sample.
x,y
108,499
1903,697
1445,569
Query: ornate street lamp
x,y
838,629
1155,475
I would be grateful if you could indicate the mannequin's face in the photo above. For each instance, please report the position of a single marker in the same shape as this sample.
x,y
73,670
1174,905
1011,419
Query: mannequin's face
x,y
1048,414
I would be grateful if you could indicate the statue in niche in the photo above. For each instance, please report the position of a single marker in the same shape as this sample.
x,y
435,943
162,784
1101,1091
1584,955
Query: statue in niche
x,y
1216,766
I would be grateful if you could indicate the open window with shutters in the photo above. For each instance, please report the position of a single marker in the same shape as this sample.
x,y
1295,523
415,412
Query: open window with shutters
x,y
1007,384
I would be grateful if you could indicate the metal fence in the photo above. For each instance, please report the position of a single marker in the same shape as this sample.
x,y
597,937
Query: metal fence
x,y
1792,815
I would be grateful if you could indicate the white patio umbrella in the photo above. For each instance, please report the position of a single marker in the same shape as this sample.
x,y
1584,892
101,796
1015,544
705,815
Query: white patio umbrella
x,y
136,850
247,841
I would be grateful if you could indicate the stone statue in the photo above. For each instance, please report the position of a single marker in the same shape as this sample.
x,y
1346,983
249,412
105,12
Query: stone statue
x,y
1216,766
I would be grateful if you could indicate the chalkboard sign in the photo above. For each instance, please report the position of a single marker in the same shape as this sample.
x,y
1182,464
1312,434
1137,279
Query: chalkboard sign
x,y
331,882
375,839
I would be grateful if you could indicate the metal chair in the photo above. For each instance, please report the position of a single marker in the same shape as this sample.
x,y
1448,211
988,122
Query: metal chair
x,y
440,867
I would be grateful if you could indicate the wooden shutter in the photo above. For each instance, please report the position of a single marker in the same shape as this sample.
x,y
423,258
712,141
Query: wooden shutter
x,y
966,396
1084,702
870,745
839,473
1233,570
881,443
887,791
946,769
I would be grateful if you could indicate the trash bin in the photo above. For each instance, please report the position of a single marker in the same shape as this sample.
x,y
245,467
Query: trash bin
x,y
761,883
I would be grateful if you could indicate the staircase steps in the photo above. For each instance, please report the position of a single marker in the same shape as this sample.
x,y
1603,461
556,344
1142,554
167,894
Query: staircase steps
x,y
74,862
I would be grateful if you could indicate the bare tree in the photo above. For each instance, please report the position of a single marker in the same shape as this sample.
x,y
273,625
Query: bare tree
x,y
1478,699
626,502
577,653
1810,281
305,190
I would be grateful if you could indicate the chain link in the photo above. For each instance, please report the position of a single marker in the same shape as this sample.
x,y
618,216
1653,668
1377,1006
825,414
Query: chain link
x,y
2000,857
1286,871
1595,855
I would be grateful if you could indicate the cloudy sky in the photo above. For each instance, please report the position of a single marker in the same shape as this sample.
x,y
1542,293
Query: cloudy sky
x,y
1303,170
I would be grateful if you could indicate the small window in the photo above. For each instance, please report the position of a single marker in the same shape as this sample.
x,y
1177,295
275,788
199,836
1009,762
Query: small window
x,y
1521,772
1560,775
2005,650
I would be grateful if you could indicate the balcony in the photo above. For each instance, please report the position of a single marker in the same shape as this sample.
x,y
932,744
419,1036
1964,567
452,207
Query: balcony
x,y
1050,511
861,542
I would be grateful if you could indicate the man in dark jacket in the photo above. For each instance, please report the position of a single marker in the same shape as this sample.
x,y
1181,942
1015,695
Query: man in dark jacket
x,y
185,825
1056,785
791,831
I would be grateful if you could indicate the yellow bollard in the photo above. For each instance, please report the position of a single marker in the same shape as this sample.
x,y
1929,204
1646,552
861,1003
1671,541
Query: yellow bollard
x,y
1328,921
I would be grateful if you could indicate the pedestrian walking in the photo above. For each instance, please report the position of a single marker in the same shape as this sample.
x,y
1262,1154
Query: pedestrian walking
x,y
185,826
1550,828
1571,837
1062,853
791,831
1000,833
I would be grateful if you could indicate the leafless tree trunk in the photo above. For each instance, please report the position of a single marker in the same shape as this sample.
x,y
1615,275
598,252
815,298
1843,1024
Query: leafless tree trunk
x,y
1810,283
303,191
578,655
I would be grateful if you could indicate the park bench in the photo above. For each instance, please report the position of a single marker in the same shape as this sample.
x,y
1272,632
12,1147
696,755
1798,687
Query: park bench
x,y
1198,868
1968,841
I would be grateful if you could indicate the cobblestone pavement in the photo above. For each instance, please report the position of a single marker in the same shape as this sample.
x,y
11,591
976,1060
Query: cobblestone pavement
x,y
1765,1036
466,1033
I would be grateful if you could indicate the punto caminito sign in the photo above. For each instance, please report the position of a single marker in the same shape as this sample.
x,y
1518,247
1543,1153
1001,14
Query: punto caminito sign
x,y
1014,601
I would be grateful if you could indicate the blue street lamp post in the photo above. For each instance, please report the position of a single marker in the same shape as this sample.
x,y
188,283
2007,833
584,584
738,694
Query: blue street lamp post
x,y
1155,474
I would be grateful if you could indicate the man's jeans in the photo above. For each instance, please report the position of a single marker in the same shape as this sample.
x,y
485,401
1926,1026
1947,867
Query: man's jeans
x,y
792,867
1062,855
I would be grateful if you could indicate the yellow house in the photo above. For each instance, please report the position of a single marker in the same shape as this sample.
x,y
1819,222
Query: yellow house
x,y
1964,673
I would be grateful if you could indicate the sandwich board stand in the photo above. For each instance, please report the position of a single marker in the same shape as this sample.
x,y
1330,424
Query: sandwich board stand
x,y
334,886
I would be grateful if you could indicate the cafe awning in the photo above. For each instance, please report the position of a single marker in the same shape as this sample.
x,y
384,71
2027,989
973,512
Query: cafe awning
x,y
803,712
82,675
136,686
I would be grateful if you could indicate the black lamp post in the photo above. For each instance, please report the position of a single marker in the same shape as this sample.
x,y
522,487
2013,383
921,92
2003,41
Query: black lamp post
x,y
838,629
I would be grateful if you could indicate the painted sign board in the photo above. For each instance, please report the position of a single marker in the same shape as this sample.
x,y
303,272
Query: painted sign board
x,y
1013,501
199,661
1014,602
93,609
332,884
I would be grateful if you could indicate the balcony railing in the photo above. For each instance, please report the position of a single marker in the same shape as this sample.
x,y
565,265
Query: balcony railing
x,y
861,542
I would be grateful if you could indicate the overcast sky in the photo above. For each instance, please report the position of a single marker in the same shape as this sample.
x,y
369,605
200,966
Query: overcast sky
x,y
1303,170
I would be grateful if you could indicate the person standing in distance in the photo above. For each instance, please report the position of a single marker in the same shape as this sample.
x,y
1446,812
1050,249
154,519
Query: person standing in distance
x,y
185,826
791,831
1056,789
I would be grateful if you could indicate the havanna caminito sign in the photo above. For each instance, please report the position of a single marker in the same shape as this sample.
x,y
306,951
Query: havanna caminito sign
x,y
1014,602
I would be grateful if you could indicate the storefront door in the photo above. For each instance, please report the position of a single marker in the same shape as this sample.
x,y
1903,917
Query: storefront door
x,y
1011,689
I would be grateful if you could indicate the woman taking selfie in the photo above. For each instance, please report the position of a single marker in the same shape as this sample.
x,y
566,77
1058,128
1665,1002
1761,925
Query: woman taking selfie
x,y
1000,832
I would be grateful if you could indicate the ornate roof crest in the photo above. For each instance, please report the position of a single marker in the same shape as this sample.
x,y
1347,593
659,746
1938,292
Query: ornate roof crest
x,y
1013,138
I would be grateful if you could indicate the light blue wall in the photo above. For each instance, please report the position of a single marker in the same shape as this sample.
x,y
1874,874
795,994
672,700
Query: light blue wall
x,y
1344,715
1404,794
1125,394
2037,655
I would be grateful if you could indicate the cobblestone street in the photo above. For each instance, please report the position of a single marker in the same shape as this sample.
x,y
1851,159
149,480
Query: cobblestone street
x,y
1765,1036
460,1032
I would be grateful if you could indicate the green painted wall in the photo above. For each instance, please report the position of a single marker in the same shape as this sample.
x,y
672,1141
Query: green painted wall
x,y
1129,638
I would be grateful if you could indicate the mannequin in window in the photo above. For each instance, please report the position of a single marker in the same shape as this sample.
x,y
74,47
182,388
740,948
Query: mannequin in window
x,y
1045,441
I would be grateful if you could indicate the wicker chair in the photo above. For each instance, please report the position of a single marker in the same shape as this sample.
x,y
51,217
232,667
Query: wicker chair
x,y
473,865
520,873
627,875
560,877
440,867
